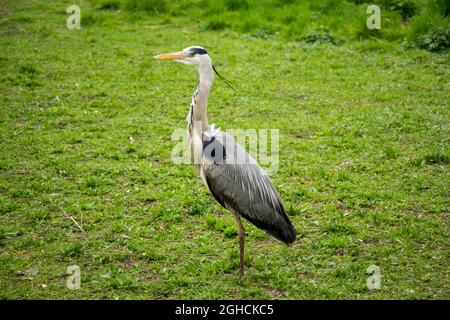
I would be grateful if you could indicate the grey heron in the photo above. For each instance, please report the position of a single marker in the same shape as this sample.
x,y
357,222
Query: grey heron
x,y
232,176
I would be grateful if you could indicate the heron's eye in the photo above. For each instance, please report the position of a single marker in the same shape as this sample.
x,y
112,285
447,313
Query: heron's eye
x,y
191,54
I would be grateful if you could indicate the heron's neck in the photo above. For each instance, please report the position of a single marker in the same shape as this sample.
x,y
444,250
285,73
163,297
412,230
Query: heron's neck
x,y
198,110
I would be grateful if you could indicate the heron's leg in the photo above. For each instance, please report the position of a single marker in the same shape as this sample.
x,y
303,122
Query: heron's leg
x,y
241,243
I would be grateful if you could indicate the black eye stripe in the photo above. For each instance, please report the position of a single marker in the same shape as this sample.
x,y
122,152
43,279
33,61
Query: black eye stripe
x,y
197,50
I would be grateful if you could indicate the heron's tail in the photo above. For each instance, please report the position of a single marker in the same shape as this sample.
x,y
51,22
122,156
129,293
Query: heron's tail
x,y
284,231
281,228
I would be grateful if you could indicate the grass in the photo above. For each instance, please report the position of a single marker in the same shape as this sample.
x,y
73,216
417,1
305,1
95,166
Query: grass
x,y
85,127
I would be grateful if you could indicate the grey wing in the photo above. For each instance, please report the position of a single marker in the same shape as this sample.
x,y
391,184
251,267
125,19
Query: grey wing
x,y
245,188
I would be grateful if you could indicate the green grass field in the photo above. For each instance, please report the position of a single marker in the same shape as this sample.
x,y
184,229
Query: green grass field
x,y
364,159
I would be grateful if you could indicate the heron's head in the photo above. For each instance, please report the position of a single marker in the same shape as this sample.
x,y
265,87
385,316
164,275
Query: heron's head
x,y
191,55
197,56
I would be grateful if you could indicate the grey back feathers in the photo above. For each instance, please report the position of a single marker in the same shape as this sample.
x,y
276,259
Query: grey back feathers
x,y
239,184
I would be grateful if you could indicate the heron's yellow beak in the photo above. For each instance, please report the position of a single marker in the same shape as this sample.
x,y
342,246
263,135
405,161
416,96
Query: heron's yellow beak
x,y
172,56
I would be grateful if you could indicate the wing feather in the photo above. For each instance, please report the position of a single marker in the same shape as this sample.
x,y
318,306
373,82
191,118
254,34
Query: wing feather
x,y
244,187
